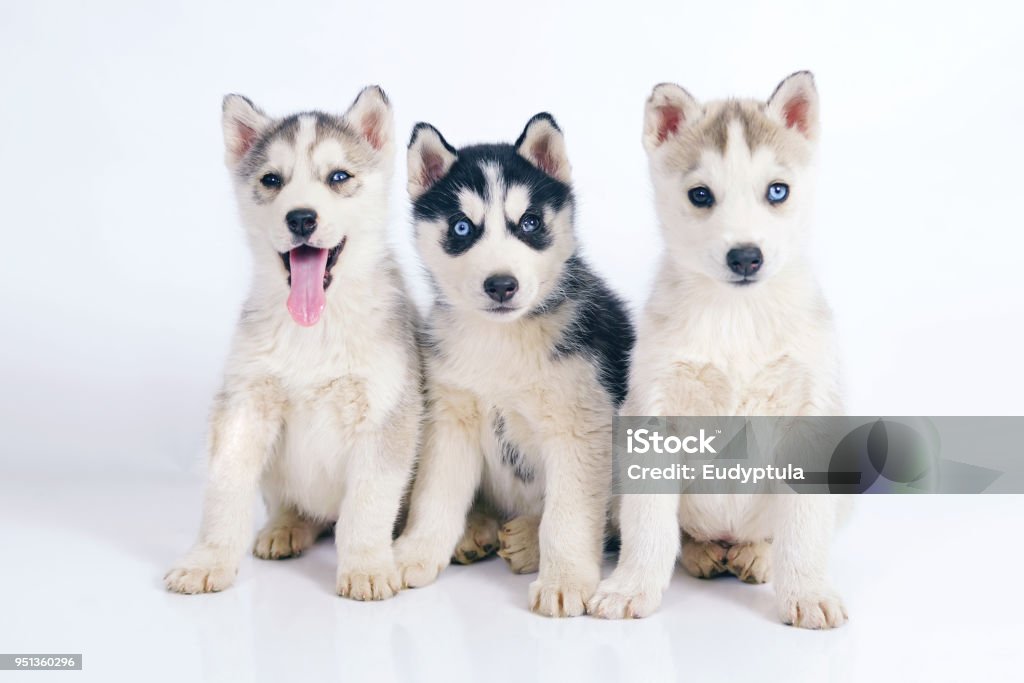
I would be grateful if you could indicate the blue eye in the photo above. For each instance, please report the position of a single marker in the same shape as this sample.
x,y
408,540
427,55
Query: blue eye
x,y
777,193
701,197
338,177
271,180
462,228
529,223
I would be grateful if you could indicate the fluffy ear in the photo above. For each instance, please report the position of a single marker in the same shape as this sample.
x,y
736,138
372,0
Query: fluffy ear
x,y
430,158
543,145
370,115
243,123
668,110
795,104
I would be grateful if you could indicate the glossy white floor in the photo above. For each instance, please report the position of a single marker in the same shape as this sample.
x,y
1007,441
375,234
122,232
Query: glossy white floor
x,y
931,584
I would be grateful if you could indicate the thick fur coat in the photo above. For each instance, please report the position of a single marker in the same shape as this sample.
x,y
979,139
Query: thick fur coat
x,y
321,404
735,325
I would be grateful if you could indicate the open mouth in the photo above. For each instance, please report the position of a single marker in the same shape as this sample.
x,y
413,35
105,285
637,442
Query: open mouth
x,y
305,250
309,275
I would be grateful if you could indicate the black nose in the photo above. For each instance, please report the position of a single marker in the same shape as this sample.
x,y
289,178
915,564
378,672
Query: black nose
x,y
301,222
744,260
501,288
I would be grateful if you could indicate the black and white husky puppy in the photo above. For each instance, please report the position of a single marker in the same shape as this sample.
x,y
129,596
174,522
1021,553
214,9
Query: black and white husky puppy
x,y
526,362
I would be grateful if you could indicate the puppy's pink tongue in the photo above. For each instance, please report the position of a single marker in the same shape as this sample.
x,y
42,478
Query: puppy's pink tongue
x,y
306,301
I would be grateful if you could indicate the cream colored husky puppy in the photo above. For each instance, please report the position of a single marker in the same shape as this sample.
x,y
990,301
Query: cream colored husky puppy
x,y
736,325
321,403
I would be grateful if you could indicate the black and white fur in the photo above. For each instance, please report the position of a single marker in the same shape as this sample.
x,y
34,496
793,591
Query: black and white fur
x,y
521,389
322,415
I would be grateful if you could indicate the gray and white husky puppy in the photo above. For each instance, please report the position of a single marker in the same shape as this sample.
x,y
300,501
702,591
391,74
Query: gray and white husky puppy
x,y
526,361
735,325
321,403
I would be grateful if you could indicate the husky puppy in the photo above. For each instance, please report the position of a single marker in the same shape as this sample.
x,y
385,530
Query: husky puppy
x,y
526,361
321,403
736,325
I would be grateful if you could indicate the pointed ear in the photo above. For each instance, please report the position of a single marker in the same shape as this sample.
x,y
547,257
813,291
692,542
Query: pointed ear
x,y
794,104
543,145
669,109
430,158
370,115
243,123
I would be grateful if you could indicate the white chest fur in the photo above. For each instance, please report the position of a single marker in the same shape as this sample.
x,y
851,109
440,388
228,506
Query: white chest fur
x,y
336,380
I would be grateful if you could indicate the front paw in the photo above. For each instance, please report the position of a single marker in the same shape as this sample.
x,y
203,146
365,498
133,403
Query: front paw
x,y
379,581
615,599
202,570
418,563
813,609
564,598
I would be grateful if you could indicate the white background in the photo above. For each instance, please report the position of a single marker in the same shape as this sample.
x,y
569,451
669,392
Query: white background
x,y
125,267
